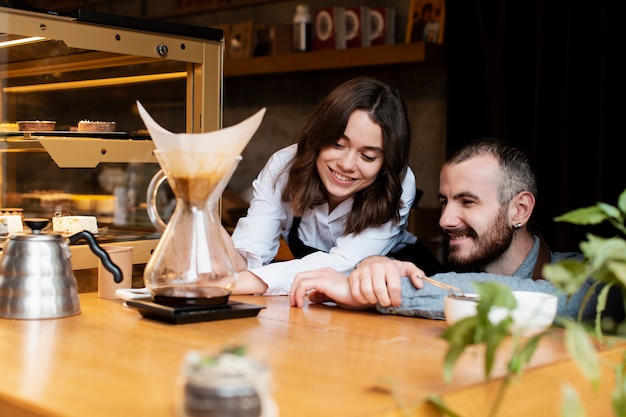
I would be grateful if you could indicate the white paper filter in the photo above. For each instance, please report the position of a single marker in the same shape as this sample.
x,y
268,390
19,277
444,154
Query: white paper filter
x,y
228,143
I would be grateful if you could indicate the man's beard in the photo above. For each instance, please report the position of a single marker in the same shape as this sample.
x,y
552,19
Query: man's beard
x,y
487,248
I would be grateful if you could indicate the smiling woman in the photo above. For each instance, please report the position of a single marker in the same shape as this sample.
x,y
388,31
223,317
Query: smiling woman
x,y
340,194
354,162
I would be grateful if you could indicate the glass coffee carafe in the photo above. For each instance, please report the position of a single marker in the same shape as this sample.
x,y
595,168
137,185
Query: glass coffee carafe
x,y
190,265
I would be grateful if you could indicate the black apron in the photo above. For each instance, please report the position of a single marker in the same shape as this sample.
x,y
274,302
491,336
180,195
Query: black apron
x,y
298,249
416,253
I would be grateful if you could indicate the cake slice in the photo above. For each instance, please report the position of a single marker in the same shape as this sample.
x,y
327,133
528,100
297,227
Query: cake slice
x,y
96,126
8,127
36,126
10,224
74,224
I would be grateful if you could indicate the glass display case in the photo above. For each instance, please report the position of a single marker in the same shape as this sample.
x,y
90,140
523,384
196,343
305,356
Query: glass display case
x,y
92,67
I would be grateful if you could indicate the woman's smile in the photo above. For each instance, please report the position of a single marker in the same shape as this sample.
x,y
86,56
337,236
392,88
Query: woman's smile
x,y
340,177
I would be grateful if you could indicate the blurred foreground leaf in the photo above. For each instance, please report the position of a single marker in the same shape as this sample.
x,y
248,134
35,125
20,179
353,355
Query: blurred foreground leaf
x,y
571,406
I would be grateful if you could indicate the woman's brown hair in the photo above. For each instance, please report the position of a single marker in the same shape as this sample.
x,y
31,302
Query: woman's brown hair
x,y
381,201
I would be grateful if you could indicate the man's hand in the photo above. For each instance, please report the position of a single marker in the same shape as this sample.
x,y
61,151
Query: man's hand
x,y
326,285
377,280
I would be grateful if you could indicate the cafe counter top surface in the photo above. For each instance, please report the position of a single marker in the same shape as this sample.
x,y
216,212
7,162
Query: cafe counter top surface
x,y
110,361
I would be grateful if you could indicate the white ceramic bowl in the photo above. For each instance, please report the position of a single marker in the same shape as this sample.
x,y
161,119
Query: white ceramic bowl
x,y
535,312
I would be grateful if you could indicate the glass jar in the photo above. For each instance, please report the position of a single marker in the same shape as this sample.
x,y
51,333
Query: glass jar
x,y
226,385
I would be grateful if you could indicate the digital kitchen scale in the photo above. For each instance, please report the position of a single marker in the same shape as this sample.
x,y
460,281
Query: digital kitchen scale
x,y
182,314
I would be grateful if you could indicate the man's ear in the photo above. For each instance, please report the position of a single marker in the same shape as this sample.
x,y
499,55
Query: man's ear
x,y
522,207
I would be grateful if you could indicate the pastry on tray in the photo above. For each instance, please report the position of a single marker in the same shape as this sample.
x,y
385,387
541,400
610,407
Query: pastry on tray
x,y
8,127
74,224
91,126
37,126
11,224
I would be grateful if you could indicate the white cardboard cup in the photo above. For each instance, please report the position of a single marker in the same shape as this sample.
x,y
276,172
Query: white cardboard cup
x,y
122,256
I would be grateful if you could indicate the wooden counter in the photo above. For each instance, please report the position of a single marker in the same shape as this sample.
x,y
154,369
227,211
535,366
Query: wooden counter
x,y
109,361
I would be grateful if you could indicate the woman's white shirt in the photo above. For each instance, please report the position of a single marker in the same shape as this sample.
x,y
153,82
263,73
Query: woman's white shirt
x,y
257,235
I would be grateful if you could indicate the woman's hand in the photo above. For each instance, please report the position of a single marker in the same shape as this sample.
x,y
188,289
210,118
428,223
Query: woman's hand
x,y
376,280
323,285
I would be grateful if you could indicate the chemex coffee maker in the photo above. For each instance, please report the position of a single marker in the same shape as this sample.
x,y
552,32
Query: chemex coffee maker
x,y
190,275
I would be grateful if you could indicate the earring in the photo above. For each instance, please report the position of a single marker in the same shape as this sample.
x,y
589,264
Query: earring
x,y
517,226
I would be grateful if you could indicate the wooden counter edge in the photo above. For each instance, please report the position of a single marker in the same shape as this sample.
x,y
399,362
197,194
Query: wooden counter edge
x,y
11,407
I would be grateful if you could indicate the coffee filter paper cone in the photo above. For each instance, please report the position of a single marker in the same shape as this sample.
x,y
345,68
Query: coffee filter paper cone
x,y
228,142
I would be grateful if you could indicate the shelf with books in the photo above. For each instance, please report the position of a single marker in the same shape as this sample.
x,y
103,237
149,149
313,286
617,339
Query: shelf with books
x,y
420,53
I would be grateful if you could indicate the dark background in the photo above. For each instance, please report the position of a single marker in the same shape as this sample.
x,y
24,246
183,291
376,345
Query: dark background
x,y
543,74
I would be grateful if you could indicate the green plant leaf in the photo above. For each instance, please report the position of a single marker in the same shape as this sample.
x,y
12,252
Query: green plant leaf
x,y
599,250
441,406
238,350
571,406
621,201
493,294
600,307
567,275
459,336
618,269
523,356
582,350
597,214
583,216
490,334
494,337
611,212
618,396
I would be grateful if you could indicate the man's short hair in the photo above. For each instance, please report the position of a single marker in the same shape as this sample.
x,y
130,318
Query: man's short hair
x,y
517,173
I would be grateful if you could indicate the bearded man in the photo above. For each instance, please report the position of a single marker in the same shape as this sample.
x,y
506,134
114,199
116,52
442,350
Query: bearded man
x,y
487,192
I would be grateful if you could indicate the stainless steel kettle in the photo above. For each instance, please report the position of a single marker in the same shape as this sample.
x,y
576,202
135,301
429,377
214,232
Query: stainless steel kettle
x,y
36,276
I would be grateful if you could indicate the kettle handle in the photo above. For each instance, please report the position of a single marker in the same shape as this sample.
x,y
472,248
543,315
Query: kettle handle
x,y
100,253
